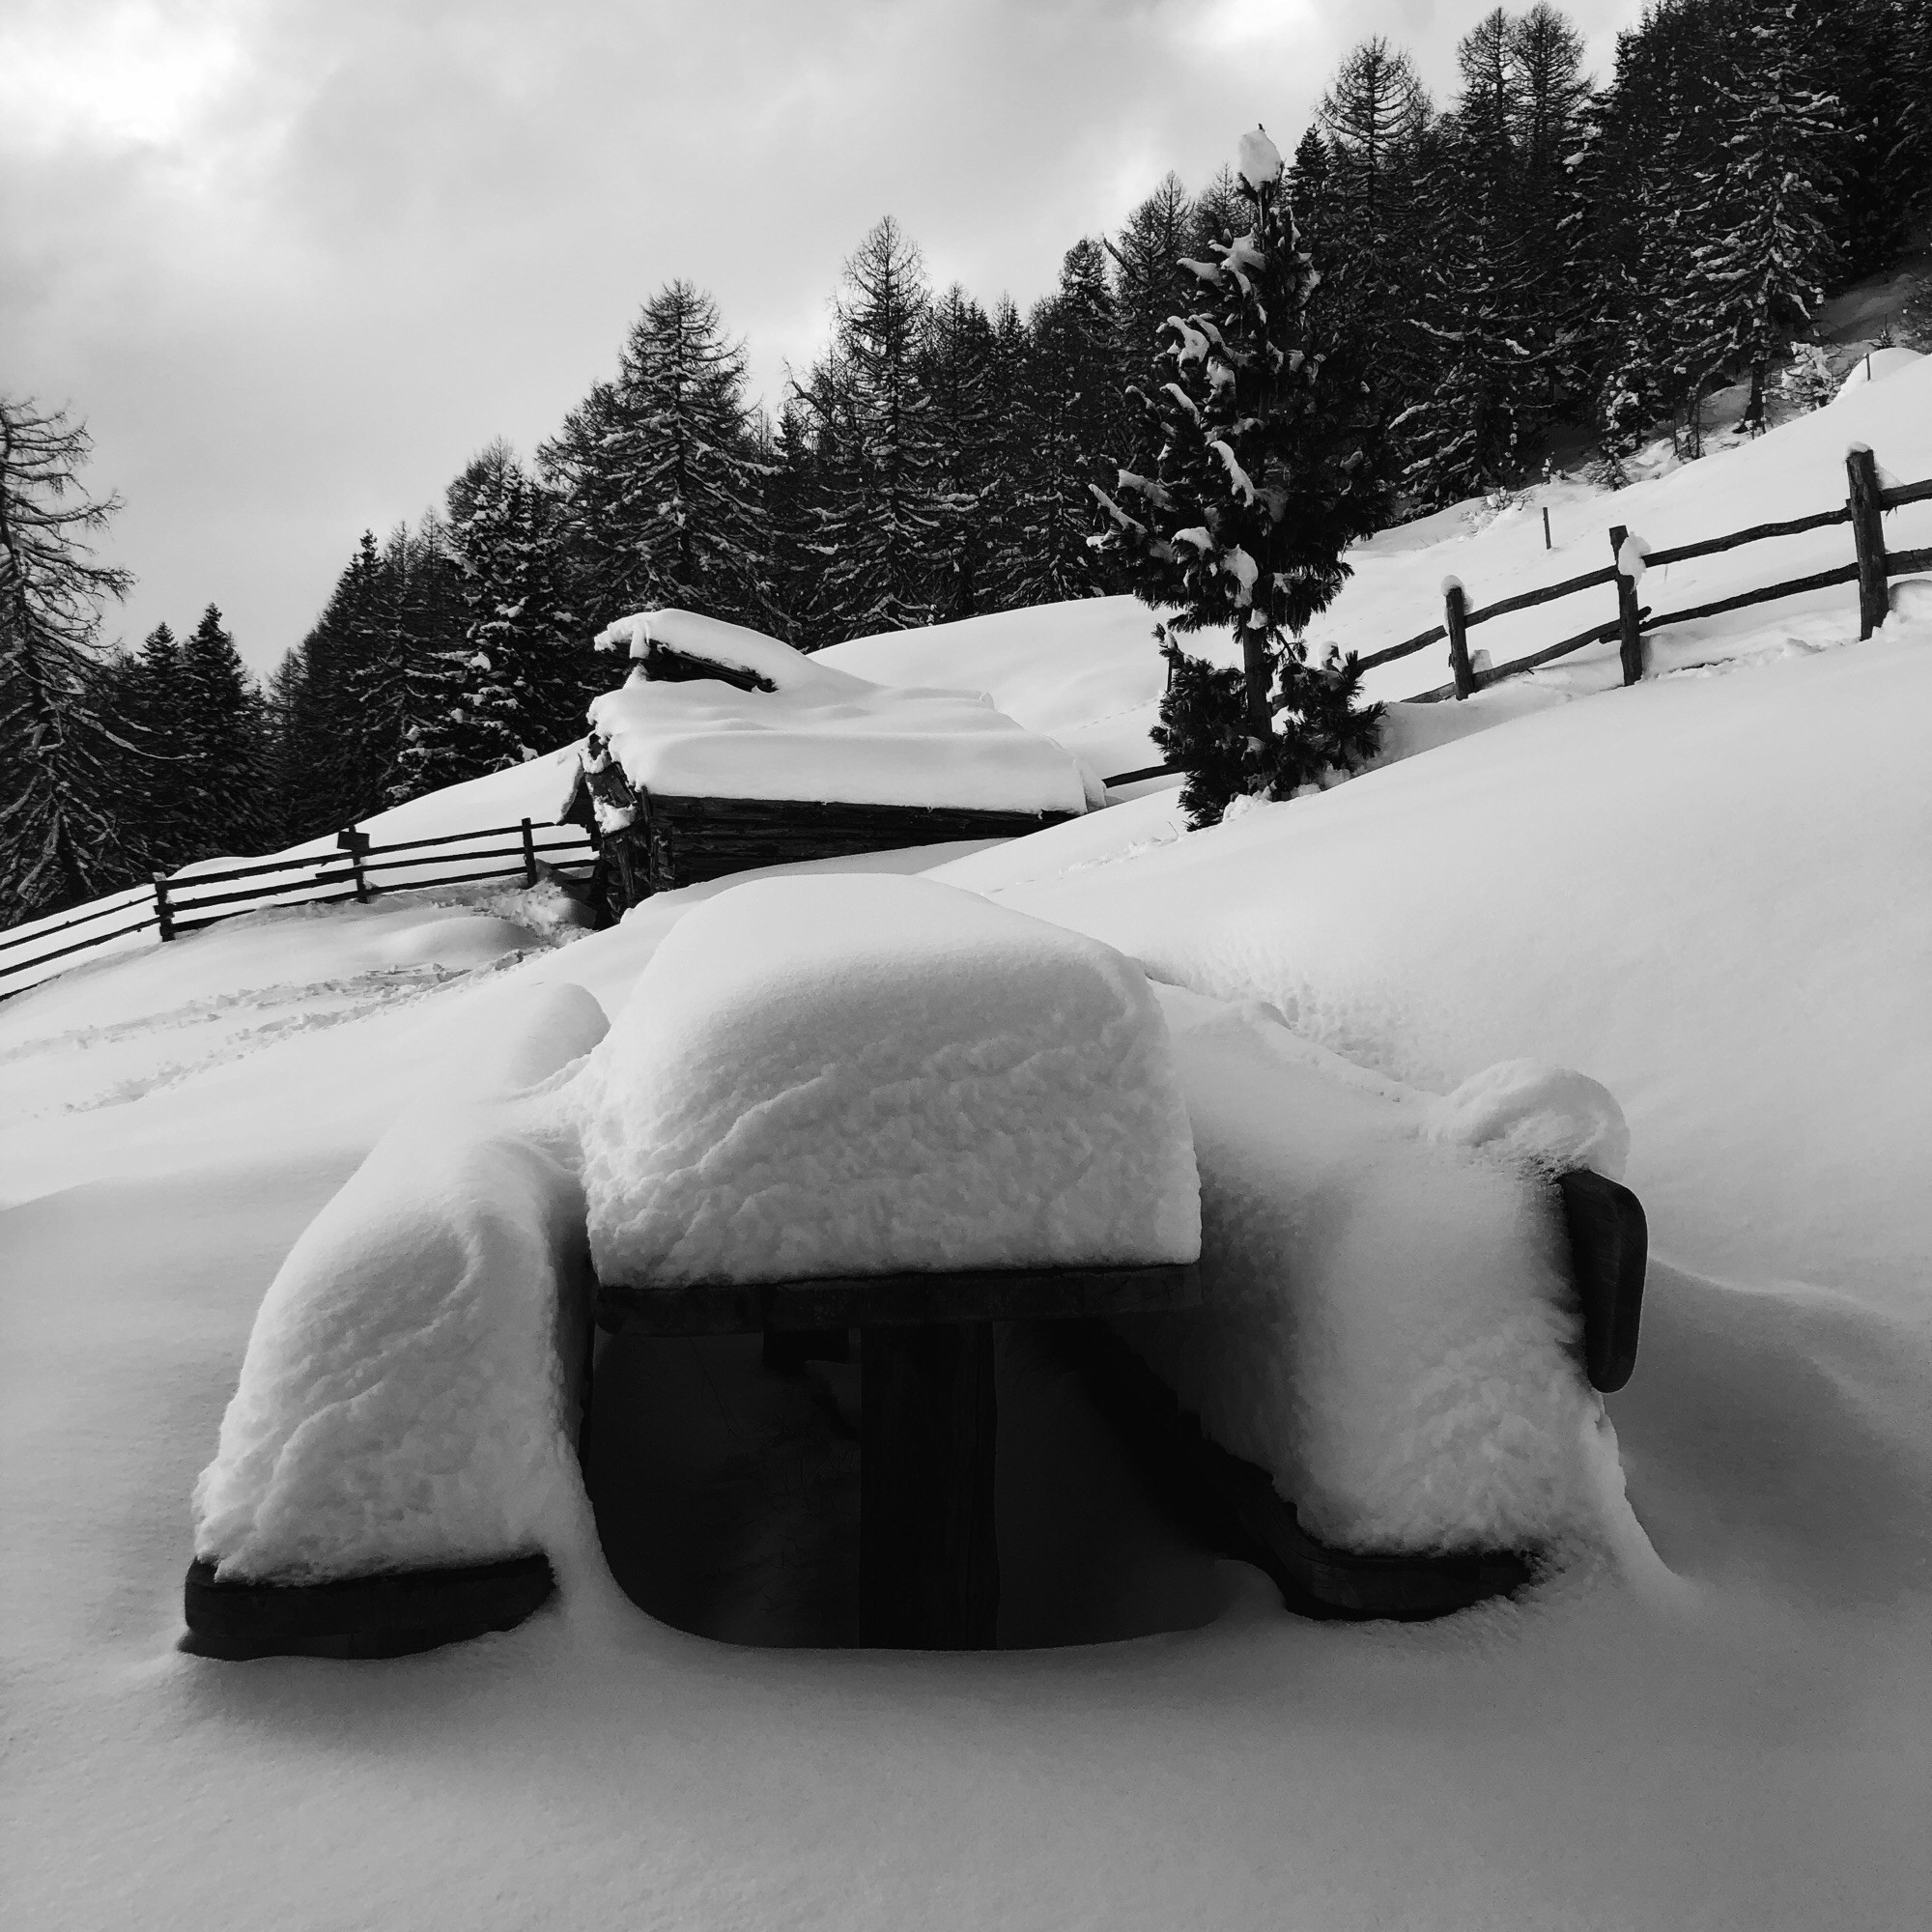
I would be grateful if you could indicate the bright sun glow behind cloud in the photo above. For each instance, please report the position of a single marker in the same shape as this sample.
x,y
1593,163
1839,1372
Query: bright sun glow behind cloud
x,y
112,74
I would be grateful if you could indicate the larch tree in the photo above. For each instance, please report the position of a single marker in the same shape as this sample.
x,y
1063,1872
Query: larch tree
x,y
57,837
883,509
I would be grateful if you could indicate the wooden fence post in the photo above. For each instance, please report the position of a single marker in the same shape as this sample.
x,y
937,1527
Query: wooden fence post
x,y
1629,620
355,843
164,912
529,856
1455,622
1868,533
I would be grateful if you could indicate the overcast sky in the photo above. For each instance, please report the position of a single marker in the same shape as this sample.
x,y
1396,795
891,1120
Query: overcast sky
x,y
293,260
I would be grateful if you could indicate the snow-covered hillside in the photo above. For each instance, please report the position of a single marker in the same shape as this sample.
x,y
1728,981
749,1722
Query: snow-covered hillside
x,y
1710,893
1089,675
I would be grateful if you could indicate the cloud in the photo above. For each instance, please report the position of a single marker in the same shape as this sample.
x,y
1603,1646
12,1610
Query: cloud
x,y
295,259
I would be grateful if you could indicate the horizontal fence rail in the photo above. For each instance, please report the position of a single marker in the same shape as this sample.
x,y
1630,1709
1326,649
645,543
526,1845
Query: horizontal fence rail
x,y
1871,569
182,903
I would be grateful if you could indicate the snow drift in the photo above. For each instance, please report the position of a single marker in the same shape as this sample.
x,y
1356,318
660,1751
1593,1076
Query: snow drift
x,y
851,1076
406,1393
1389,1326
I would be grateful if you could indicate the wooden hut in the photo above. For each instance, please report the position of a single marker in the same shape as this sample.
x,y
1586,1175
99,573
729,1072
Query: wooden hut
x,y
724,750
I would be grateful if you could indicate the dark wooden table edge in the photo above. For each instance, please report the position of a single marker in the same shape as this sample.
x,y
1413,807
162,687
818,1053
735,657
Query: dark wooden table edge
x,y
898,1300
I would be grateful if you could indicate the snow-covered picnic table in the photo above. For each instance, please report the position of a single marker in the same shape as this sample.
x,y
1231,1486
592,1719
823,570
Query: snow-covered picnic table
x,y
887,1104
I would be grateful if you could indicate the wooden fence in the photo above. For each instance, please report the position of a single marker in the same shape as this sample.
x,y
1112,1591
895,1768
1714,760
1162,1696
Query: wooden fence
x,y
1871,570
357,869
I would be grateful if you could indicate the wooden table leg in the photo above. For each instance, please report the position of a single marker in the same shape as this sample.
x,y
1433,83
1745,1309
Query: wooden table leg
x,y
928,1566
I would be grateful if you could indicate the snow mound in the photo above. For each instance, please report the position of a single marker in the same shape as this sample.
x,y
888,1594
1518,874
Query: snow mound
x,y
407,1387
1389,1326
1875,368
809,733
858,1074
1911,600
1547,1118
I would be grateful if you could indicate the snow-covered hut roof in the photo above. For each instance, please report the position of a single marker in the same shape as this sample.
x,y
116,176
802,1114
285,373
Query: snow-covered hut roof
x,y
714,710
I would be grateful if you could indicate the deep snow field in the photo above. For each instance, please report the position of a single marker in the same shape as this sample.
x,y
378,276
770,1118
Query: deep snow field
x,y
1712,893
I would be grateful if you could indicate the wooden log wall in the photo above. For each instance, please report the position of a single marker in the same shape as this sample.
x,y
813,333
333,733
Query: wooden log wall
x,y
687,841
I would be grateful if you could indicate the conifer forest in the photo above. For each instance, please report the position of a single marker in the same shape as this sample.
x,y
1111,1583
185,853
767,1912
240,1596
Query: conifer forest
x,y
1541,260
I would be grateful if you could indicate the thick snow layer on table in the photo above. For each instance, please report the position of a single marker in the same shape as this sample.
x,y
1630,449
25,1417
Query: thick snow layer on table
x,y
863,1076
821,734
1388,1324
409,1382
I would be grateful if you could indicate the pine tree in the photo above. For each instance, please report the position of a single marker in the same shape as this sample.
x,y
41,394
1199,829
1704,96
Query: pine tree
x,y
882,508
1265,474
57,838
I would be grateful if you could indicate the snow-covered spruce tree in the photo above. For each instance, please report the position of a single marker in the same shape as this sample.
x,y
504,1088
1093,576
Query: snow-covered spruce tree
x,y
1069,417
1147,257
57,837
150,796
1265,472
431,615
660,474
1477,298
956,366
1374,243
882,509
221,747
525,679
1759,271
792,466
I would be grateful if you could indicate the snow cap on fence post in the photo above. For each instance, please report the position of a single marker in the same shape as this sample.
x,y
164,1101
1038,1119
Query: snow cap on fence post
x,y
1634,557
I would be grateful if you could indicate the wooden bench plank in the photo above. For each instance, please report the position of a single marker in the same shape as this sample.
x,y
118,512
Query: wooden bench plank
x,y
893,1300
928,1557
1609,1245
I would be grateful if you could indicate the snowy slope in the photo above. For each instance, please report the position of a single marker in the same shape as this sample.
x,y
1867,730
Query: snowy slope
x,y
1090,674
1713,892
